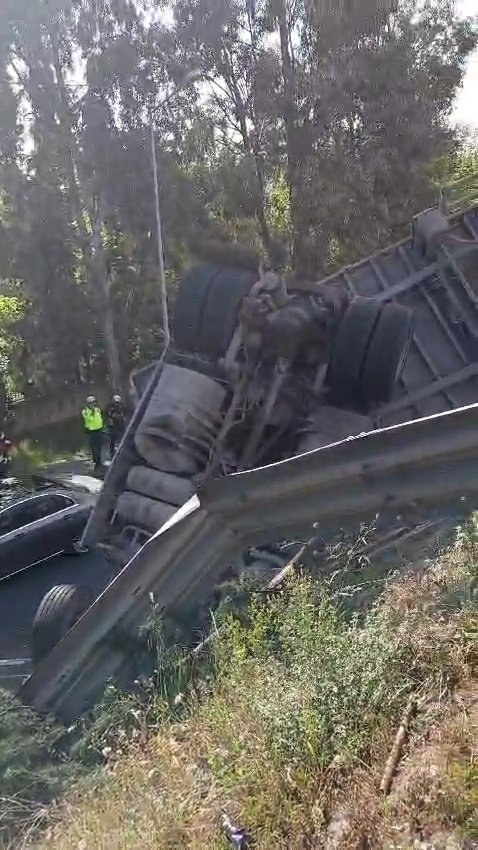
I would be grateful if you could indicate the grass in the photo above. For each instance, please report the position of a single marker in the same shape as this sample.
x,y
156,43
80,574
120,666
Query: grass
x,y
286,727
33,769
28,458
60,441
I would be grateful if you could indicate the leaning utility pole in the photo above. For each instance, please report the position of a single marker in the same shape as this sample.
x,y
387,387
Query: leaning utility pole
x,y
189,78
159,243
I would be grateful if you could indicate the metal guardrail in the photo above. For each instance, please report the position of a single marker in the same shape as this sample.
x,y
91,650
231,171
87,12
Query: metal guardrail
x,y
418,463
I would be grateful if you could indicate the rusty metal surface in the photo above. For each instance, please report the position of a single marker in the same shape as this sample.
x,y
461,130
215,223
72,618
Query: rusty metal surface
x,y
420,462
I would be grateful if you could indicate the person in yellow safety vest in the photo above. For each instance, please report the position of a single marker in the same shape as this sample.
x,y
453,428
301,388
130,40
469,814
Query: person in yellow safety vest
x,y
92,419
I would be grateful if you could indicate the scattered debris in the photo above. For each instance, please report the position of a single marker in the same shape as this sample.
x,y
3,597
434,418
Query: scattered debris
x,y
236,835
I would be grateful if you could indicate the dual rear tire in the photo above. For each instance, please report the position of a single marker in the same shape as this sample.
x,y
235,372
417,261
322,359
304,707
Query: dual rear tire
x,y
369,353
205,312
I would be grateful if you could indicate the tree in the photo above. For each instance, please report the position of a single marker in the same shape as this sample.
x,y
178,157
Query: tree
x,y
45,208
316,124
351,102
74,192
226,41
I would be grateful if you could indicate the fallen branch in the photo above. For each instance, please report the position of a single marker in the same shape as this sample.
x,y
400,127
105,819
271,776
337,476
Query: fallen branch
x,y
394,757
276,582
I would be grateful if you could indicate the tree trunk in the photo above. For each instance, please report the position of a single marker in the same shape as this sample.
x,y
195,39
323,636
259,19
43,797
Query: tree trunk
x,y
259,204
290,121
103,287
69,147
112,354
260,210
92,247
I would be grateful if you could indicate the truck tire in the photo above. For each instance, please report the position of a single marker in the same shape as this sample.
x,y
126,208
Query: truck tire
x,y
165,455
189,306
58,611
142,511
387,353
159,485
219,316
182,394
349,351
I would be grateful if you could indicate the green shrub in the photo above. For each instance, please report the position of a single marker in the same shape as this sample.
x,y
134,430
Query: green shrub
x,y
33,767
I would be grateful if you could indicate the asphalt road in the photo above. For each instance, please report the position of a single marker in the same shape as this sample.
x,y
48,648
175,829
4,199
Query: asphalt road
x,y
20,595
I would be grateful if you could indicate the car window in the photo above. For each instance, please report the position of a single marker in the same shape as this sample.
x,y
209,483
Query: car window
x,y
9,519
57,502
29,510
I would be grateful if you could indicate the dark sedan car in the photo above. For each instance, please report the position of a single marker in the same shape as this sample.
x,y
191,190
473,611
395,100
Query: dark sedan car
x,y
39,527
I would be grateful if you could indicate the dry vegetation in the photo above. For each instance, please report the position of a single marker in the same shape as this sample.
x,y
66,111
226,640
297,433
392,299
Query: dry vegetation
x,y
288,728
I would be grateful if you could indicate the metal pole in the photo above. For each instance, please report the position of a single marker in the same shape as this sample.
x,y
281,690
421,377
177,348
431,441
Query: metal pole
x,y
159,244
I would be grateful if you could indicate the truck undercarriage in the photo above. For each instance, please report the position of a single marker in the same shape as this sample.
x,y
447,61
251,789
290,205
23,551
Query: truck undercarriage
x,y
267,369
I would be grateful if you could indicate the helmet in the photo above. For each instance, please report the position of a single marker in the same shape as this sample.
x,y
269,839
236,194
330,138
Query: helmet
x,y
117,398
91,399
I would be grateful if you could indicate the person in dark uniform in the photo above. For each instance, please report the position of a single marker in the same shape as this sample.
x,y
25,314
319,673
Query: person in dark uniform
x,y
115,422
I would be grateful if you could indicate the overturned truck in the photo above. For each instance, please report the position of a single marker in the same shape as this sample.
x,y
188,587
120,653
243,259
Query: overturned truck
x,y
264,372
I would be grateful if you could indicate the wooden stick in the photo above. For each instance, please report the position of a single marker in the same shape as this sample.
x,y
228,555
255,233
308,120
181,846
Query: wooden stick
x,y
394,757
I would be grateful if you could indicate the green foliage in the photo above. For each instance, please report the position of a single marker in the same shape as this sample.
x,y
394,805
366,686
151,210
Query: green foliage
x,y
33,768
29,457
321,689
279,204
292,698
10,310
460,163
109,728
456,178
461,807
298,132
